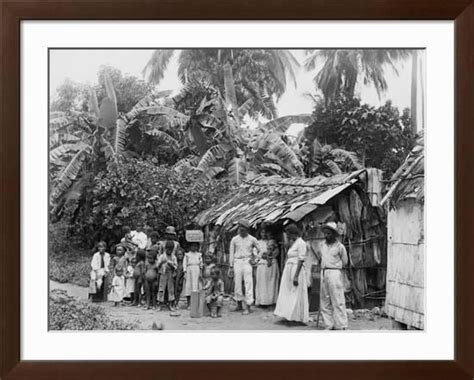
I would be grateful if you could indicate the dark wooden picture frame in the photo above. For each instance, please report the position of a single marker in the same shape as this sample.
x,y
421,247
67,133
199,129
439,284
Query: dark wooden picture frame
x,y
13,12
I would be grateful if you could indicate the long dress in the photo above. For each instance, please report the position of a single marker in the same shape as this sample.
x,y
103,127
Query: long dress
x,y
292,303
117,290
192,264
267,279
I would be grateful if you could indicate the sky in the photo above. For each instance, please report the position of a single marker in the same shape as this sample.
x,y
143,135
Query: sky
x,y
82,65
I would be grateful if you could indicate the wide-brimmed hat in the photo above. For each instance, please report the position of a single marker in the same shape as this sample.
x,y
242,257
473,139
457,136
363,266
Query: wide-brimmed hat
x,y
332,226
170,230
244,223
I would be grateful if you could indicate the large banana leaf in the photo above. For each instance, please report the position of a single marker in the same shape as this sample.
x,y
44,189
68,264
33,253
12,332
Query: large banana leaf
x,y
213,154
275,145
176,118
70,172
350,159
229,87
281,124
107,114
93,103
58,123
163,136
209,174
120,136
236,170
62,152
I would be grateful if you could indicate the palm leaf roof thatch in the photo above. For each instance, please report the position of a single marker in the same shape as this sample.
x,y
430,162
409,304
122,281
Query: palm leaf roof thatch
x,y
273,198
409,180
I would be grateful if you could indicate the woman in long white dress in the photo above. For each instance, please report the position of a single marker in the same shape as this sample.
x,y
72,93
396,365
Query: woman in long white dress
x,y
268,274
292,303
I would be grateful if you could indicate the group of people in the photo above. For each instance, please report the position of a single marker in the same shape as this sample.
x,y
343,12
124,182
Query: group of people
x,y
152,273
292,297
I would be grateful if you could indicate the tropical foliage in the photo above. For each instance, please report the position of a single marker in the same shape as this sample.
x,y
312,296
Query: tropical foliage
x,y
381,137
343,68
261,75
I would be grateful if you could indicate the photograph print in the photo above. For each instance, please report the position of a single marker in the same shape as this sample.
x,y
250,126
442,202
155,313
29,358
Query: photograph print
x,y
236,189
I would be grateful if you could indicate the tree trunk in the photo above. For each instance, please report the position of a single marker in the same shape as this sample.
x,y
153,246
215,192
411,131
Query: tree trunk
x,y
414,92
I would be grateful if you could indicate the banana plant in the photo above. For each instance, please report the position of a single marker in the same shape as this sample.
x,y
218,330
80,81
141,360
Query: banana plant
x,y
82,144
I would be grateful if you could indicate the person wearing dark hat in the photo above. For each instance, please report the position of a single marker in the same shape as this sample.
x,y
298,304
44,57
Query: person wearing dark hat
x,y
333,259
169,235
241,251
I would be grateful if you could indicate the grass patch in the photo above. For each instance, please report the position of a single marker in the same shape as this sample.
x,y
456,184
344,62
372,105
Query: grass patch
x,y
69,313
73,267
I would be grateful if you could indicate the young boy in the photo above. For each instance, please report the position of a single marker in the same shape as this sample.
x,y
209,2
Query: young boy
x,y
167,264
179,277
139,276
214,289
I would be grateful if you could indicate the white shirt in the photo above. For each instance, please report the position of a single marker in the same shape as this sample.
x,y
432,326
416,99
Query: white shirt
x,y
333,255
241,248
95,262
297,251
140,239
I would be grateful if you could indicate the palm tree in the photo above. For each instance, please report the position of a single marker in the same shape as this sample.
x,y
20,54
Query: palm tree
x,y
260,74
342,68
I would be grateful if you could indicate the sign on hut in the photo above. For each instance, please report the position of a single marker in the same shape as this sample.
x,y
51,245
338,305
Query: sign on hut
x,y
406,249
310,202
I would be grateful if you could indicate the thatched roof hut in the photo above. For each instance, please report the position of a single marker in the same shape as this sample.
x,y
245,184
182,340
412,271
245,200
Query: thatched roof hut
x,y
348,199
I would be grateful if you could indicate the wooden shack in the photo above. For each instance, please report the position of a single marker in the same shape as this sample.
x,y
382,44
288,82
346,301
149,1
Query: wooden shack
x,y
347,199
405,301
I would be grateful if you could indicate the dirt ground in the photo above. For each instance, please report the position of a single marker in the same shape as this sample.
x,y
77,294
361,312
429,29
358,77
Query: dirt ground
x,y
259,318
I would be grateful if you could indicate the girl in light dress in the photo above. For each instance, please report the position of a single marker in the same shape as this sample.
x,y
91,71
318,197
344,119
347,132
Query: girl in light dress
x,y
192,266
130,280
292,303
268,274
117,290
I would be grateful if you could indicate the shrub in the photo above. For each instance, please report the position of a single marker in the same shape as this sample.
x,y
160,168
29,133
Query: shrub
x,y
70,266
69,313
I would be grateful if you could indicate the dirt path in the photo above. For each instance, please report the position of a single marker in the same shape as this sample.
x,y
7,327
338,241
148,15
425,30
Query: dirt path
x,y
259,319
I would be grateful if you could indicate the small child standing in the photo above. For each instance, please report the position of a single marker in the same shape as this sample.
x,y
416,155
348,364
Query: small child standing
x,y
179,277
117,290
192,266
130,280
139,277
214,289
151,280
167,264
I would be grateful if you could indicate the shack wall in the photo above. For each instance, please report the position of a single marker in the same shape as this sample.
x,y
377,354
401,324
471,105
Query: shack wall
x,y
405,264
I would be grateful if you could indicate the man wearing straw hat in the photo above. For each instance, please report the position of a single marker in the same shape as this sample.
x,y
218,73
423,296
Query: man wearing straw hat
x,y
240,252
333,259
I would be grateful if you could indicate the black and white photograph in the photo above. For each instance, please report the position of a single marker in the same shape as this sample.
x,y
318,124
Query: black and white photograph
x,y
246,189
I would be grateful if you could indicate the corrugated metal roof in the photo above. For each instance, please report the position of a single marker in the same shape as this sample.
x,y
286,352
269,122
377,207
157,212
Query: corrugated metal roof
x,y
273,198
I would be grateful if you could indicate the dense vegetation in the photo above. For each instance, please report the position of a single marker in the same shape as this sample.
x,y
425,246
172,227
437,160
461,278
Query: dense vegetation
x,y
125,153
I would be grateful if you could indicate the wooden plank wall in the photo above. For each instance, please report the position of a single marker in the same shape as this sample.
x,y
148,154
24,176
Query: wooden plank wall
x,y
405,264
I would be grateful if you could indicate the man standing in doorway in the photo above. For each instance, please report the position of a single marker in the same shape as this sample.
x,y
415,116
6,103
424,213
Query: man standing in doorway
x,y
333,259
240,253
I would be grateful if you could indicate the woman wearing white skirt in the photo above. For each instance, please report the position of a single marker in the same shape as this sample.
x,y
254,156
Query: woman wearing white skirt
x,y
192,266
292,303
268,274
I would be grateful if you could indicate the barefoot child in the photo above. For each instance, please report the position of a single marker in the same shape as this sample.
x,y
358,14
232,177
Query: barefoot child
x,y
192,266
167,264
151,280
139,277
208,266
179,277
215,293
117,290
130,280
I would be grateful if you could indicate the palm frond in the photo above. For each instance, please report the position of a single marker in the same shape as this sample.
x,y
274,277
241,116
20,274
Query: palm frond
x,y
155,68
